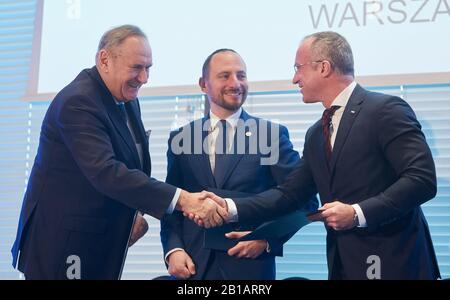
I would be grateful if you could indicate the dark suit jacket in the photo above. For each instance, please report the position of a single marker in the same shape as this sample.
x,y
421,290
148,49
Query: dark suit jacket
x,y
243,174
85,186
382,162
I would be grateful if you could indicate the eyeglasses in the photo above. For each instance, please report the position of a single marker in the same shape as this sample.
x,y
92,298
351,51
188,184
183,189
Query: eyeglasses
x,y
297,67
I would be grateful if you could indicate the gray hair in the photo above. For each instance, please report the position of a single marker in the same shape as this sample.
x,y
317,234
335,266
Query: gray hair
x,y
329,45
116,36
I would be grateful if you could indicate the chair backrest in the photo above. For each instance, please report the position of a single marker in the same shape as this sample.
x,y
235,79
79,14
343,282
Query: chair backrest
x,y
296,278
162,277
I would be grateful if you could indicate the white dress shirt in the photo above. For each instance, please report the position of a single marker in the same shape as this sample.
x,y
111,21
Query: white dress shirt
x,y
214,132
212,137
341,100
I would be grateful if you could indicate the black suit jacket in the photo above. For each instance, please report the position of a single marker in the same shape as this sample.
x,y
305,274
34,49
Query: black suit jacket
x,y
244,173
382,162
85,186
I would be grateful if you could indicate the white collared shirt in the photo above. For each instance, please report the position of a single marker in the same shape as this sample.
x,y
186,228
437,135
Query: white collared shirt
x,y
214,132
212,137
341,100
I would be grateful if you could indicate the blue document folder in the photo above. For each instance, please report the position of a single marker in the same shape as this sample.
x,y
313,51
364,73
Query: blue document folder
x,y
277,228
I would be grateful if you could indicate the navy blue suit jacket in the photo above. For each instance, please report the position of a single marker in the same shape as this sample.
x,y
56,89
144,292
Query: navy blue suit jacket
x,y
382,162
85,186
244,173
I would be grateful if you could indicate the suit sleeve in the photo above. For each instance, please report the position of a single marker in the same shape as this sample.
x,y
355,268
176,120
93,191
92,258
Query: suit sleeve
x,y
288,159
81,124
404,147
294,193
172,225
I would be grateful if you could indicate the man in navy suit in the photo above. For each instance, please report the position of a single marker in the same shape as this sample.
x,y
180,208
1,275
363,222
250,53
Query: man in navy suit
x,y
91,172
369,161
224,81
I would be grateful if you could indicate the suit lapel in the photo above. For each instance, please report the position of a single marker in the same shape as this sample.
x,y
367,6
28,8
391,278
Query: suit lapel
x,y
318,148
114,114
139,130
200,163
348,117
232,160
122,128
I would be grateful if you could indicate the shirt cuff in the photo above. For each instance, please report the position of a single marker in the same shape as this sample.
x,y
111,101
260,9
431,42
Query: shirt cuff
x,y
268,246
361,218
170,252
232,211
172,205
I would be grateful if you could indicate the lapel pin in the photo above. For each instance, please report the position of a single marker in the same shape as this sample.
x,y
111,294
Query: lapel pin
x,y
248,134
352,111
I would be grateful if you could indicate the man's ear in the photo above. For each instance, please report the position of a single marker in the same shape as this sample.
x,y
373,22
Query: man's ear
x,y
202,84
103,60
327,69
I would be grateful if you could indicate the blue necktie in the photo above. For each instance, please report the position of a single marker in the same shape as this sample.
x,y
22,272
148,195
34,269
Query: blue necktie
x,y
222,143
123,111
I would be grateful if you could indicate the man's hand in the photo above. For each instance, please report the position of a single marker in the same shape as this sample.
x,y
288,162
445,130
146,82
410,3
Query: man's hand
x,y
219,200
181,265
336,215
246,249
140,227
201,208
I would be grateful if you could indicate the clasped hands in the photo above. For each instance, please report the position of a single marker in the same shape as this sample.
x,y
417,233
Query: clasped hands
x,y
204,208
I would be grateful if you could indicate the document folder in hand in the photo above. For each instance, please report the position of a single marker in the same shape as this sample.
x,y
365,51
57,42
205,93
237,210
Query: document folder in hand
x,y
279,227
275,229
215,237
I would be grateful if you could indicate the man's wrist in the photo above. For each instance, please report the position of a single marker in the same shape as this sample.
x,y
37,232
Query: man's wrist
x,y
232,211
355,218
362,222
181,200
171,252
173,204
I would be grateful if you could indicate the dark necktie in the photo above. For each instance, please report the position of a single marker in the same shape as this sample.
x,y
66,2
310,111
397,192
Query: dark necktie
x,y
133,132
222,144
123,111
326,122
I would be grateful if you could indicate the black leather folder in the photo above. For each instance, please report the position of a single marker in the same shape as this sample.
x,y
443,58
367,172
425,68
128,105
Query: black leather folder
x,y
275,229
215,237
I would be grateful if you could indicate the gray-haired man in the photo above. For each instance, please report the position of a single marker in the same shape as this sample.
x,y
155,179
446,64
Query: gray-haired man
x,y
91,173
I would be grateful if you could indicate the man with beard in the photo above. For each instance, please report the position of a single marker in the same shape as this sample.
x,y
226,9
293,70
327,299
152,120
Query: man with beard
x,y
225,165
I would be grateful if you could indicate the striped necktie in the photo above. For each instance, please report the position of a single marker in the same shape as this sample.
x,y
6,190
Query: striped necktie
x,y
326,122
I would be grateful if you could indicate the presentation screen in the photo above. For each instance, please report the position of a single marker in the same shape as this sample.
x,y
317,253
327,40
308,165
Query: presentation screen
x,y
388,37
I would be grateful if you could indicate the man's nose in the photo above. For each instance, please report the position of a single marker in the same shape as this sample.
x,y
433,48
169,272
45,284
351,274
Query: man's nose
x,y
234,81
296,78
143,76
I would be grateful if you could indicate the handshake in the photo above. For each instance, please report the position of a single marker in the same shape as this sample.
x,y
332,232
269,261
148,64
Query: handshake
x,y
204,208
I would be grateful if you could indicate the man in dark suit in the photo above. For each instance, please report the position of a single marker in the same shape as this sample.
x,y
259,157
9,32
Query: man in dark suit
x,y
369,161
91,172
224,81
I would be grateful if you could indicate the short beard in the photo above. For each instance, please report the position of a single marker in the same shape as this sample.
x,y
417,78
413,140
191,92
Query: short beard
x,y
223,104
